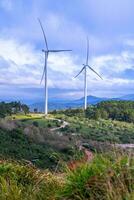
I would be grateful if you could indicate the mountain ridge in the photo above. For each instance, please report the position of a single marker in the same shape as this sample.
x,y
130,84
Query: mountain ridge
x,y
64,104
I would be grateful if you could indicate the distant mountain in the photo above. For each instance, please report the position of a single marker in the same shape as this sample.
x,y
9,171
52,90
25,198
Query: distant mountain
x,y
129,97
92,99
64,104
58,104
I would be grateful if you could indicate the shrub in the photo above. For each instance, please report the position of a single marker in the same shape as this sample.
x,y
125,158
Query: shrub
x,y
35,123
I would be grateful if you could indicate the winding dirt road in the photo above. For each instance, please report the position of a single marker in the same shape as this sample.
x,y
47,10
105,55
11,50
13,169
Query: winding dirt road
x,y
88,155
63,125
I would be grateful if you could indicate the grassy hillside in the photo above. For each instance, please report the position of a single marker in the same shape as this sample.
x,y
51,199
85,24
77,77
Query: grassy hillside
x,y
44,149
100,130
35,153
30,137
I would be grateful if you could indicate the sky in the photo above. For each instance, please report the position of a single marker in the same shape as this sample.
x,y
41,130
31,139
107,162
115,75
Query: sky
x,y
109,26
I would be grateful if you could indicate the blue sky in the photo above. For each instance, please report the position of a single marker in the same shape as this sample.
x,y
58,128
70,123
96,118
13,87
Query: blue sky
x,y
109,26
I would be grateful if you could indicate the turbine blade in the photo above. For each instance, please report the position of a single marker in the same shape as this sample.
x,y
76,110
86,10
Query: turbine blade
x,y
46,56
42,75
94,71
44,35
80,72
58,51
87,51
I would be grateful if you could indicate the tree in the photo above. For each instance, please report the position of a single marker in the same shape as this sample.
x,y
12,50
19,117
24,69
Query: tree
x,y
25,108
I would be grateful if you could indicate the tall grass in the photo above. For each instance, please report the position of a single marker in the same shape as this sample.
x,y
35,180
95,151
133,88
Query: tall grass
x,y
105,178
20,182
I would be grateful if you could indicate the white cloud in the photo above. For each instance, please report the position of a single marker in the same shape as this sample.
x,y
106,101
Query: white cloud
x,y
18,53
112,64
22,64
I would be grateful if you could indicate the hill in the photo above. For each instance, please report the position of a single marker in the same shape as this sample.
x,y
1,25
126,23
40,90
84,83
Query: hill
x,y
64,104
129,97
60,104
36,153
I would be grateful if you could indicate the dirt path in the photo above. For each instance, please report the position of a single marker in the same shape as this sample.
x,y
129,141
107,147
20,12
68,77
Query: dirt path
x,y
88,155
63,125
125,146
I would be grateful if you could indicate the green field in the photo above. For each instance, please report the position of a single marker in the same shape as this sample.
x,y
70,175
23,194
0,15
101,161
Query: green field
x,y
37,120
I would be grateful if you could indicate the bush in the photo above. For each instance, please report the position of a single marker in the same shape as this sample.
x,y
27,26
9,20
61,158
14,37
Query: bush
x,y
35,123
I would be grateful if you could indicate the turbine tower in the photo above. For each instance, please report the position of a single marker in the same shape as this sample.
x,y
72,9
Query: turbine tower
x,y
44,74
85,67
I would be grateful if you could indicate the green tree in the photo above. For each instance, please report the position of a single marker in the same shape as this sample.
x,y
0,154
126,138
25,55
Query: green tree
x,y
25,108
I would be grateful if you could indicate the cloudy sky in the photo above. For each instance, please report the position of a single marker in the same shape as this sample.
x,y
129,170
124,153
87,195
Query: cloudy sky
x,y
109,26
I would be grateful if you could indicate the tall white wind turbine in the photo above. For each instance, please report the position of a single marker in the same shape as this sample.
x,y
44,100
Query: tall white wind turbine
x,y
44,74
85,67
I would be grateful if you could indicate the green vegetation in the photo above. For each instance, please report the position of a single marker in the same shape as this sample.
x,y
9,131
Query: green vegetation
x,y
23,182
15,145
115,110
38,146
106,178
12,108
100,130
110,121
41,122
31,146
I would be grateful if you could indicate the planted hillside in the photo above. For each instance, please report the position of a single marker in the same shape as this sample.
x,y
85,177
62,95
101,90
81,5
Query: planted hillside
x,y
100,130
115,110
110,121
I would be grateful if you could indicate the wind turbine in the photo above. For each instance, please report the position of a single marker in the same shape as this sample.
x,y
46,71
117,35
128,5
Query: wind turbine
x,y
44,74
85,67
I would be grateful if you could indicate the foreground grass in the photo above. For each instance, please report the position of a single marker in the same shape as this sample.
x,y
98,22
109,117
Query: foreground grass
x,y
20,182
106,178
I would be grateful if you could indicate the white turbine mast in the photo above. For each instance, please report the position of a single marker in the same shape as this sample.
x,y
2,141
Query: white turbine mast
x,y
46,52
86,66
